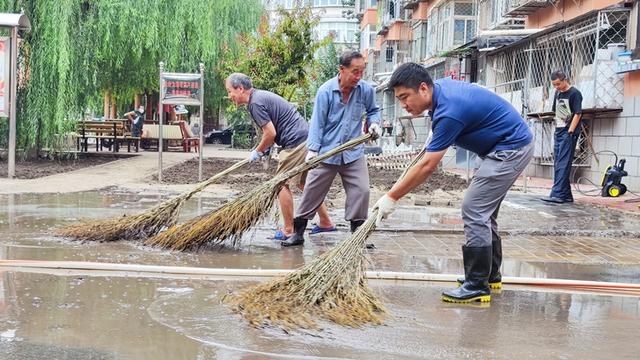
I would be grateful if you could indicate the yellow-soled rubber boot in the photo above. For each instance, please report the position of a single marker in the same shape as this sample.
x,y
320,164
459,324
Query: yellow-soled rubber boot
x,y
477,266
481,298
496,285
495,278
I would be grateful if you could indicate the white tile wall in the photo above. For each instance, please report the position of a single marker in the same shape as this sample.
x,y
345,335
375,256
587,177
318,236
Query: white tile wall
x,y
611,143
606,126
633,126
625,146
637,106
619,126
628,107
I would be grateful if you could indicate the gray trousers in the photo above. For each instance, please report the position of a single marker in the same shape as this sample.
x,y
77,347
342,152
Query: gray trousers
x,y
497,172
355,180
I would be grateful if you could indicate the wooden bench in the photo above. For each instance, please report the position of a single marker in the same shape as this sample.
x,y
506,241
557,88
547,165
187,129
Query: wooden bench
x,y
112,130
170,133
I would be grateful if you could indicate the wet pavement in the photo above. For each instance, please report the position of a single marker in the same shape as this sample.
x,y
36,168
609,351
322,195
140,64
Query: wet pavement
x,y
79,316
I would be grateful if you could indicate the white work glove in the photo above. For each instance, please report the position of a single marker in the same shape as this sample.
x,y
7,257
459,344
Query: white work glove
x,y
310,155
376,130
385,206
255,155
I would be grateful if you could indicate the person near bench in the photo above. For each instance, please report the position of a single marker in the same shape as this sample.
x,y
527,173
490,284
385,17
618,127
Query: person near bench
x,y
136,119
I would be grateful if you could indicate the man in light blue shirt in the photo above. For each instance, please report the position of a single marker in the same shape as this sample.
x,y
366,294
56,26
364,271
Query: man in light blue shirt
x,y
340,105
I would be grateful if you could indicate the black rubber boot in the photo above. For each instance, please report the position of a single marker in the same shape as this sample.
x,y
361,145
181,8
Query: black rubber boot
x,y
495,279
477,267
299,226
355,224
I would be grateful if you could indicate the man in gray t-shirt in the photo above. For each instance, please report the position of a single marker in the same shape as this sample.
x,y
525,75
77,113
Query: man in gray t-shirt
x,y
283,125
291,128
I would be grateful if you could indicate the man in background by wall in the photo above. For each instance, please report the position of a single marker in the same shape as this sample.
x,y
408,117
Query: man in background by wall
x,y
567,104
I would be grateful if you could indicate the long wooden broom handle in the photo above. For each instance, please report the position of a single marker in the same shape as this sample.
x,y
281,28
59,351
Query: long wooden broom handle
x,y
320,158
289,174
213,179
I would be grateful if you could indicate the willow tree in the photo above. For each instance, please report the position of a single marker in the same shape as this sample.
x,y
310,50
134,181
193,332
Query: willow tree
x,y
79,50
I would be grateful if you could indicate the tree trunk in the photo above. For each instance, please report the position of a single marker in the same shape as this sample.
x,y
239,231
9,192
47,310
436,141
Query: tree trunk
x,y
105,107
114,108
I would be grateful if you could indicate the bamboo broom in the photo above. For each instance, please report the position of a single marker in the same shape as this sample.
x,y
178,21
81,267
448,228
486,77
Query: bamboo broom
x,y
226,224
332,287
141,226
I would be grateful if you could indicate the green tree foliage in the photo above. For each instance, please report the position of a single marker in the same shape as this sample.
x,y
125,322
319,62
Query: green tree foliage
x,y
328,61
78,49
326,67
281,61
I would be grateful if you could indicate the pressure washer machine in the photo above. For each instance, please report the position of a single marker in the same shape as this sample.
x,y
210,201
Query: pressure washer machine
x,y
612,185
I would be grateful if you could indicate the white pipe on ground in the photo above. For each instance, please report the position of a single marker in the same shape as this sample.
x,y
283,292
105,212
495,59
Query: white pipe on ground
x,y
260,273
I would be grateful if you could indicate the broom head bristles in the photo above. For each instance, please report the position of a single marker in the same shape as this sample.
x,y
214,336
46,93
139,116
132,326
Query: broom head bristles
x,y
226,224
332,287
139,226
223,225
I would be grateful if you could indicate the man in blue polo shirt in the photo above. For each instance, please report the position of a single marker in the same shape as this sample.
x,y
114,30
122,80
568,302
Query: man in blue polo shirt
x,y
475,119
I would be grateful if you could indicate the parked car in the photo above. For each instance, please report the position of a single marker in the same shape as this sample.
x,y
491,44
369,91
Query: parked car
x,y
372,150
219,137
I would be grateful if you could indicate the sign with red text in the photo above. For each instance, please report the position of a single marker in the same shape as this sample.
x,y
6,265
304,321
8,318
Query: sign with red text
x,y
184,89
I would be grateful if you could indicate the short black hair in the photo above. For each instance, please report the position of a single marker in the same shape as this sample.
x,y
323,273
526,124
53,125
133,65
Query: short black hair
x,y
558,75
348,56
410,75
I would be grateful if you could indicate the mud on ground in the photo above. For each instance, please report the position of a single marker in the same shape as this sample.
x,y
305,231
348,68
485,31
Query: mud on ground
x,y
33,169
251,175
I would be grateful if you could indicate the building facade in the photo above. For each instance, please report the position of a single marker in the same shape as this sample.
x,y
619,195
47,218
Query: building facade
x,y
512,46
585,39
334,20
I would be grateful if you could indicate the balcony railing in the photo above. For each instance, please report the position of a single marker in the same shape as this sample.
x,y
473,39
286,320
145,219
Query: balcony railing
x,y
584,50
519,8
411,4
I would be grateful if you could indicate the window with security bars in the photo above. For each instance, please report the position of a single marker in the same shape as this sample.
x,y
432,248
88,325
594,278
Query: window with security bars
x,y
464,9
451,24
418,45
463,31
586,50
437,71
389,54
432,33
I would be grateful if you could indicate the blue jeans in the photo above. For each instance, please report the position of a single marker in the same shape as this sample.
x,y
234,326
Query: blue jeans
x,y
563,150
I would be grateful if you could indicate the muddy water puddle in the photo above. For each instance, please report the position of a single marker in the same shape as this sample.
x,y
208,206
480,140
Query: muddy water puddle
x,y
28,221
142,318
79,316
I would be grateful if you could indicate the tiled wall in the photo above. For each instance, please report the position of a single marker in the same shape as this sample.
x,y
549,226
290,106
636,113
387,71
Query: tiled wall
x,y
619,133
